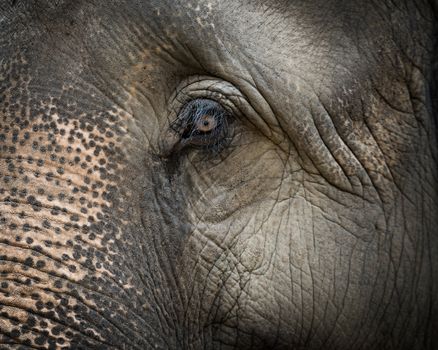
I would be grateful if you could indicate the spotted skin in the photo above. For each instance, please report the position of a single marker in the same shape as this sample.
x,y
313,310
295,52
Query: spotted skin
x,y
59,205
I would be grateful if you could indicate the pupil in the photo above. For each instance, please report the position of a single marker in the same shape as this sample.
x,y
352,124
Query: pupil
x,y
206,123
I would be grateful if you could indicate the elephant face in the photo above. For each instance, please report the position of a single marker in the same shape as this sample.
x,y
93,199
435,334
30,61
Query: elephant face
x,y
218,174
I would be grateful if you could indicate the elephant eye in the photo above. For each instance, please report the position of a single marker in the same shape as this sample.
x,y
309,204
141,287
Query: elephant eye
x,y
202,123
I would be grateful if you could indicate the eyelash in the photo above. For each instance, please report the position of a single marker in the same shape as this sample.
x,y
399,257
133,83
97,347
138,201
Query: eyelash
x,y
202,113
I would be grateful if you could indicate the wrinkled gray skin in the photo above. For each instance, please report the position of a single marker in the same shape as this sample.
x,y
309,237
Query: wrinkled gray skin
x,y
315,227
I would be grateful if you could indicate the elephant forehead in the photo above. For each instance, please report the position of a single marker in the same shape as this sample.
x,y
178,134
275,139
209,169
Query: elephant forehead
x,y
136,56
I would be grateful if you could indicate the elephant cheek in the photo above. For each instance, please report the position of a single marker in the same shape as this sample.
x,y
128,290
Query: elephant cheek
x,y
252,253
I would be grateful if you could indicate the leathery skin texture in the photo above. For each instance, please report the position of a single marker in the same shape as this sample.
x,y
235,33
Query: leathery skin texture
x,y
294,205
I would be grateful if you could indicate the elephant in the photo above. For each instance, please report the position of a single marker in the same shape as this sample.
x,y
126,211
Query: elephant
x,y
216,174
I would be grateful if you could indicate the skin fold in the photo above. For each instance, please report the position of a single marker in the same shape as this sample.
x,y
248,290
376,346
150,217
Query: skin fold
x,y
310,221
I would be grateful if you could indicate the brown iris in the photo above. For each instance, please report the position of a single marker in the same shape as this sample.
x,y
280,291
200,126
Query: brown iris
x,y
206,123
